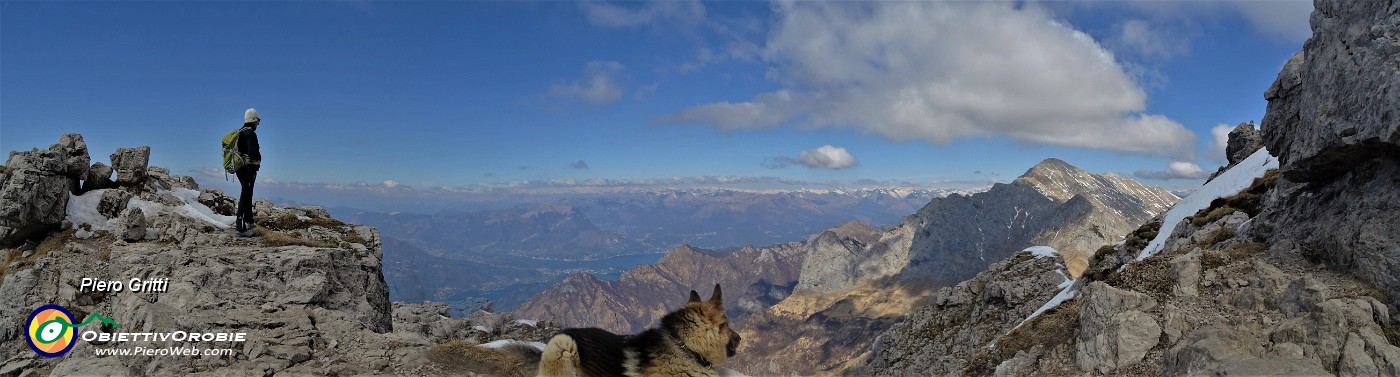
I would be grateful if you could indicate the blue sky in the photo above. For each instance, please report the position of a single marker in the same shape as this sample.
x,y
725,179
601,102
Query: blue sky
x,y
466,95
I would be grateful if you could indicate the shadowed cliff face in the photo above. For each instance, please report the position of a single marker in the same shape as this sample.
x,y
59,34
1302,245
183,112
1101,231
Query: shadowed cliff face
x,y
1334,123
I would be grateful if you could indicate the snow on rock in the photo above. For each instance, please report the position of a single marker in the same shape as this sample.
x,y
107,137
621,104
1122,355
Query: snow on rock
x,y
498,344
1231,182
1068,290
1043,251
528,322
190,207
83,209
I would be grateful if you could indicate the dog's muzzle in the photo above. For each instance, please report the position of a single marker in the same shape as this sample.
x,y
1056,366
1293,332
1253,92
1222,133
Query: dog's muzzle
x,y
733,346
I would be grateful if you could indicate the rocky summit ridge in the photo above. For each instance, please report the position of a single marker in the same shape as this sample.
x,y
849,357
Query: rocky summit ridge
x,y
308,292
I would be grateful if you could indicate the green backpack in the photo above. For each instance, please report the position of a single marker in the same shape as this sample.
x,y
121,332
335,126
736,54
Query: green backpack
x,y
233,160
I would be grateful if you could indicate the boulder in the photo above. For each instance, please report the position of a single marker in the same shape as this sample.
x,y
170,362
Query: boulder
x,y
1243,141
1114,329
131,164
98,177
34,191
218,202
73,154
113,202
132,225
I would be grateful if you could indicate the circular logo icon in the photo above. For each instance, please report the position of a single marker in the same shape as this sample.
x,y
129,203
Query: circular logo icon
x,y
50,331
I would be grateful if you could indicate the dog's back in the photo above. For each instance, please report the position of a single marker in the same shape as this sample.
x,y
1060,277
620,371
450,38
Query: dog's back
x,y
588,352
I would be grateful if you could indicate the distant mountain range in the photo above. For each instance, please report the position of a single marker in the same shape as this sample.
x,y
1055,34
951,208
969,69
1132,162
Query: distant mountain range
x,y
852,282
506,255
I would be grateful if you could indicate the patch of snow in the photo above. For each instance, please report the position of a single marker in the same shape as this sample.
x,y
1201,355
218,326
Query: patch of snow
x,y
190,208
1228,183
482,328
528,322
82,234
498,344
199,210
82,209
1067,292
1042,251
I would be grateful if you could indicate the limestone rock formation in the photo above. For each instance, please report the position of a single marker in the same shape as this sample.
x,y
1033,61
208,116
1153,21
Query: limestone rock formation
x,y
99,176
1114,329
35,187
1334,122
131,226
308,292
832,265
1243,140
130,164
962,323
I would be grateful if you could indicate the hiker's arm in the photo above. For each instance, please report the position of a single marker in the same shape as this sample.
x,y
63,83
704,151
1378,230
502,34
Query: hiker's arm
x,y
253,151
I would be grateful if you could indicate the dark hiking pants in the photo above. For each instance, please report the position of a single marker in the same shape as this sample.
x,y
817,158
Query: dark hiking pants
x,y
247,176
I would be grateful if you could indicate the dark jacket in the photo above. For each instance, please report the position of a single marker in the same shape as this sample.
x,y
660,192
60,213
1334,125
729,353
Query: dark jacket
x,y
248,145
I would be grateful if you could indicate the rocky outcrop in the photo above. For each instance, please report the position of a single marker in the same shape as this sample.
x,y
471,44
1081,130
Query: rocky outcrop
x,y
35,187
1115,330
308,291
99,176
1242,142
834,261
964,324
130,164
1214,301
1334,122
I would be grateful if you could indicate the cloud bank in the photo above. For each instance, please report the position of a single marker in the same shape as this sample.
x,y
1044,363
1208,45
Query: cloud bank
x,y
1175,170
940,72
823,157
602,82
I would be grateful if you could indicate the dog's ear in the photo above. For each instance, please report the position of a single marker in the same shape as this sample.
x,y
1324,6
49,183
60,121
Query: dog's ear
x,y
718,297
694,297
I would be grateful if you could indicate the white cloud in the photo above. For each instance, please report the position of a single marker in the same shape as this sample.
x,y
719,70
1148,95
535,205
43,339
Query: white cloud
x,y
1175,170
1287,20
1149,40
1220,139
389,183
823,157
602,82
613,15
763,111
940,72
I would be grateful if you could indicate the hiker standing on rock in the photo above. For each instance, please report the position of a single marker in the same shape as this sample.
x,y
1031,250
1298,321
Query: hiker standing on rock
x,y
248,173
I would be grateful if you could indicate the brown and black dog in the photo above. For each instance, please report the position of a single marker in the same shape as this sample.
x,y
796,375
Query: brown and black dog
x,y
692,341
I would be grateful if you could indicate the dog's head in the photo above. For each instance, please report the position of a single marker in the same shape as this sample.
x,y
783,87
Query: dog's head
x,y
704,328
